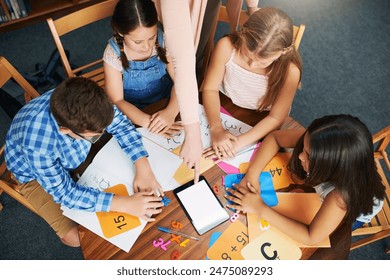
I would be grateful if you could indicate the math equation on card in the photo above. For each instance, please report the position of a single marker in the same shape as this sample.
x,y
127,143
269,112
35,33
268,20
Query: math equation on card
x,y
228,246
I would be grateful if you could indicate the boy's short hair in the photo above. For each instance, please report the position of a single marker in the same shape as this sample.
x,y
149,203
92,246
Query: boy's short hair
x,y
80,104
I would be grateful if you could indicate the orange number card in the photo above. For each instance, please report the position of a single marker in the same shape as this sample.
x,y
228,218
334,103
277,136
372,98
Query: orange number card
x,y
228,246
281,177
114,223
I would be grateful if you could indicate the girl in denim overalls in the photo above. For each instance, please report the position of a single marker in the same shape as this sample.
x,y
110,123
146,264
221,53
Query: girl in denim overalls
x,y
138,71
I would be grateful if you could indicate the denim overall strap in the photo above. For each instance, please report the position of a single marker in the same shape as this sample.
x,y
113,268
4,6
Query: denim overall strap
x,y
115,46
146,82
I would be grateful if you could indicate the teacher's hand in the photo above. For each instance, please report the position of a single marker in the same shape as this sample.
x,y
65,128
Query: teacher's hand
x,y
191,150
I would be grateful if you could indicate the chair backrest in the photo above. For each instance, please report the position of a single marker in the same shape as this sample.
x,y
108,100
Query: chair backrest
x,y
7,72
76,20
233,14
379,227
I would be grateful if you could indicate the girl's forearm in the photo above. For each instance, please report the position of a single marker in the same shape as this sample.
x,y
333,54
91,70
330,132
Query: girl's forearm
x,y
212,105
264,154
134,114
259,131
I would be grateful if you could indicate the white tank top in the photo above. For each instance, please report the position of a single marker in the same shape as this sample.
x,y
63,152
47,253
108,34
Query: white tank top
x,y
245,88
325,188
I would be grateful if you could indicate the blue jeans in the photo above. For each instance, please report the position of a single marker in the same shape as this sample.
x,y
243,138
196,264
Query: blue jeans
x,y
357,224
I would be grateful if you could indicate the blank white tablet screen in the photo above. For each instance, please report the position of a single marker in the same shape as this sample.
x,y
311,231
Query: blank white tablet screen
x,y
202,206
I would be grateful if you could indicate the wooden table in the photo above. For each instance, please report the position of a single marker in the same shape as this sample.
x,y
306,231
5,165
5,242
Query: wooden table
x,y
95,247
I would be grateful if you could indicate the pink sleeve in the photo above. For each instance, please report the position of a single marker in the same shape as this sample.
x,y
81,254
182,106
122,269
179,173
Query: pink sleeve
x,y
182,21
252,3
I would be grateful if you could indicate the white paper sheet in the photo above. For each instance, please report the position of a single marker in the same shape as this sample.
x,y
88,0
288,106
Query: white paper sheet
x,y
111,166
232,125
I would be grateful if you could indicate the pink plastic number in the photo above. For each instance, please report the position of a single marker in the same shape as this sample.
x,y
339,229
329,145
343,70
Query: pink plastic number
x,y
161,243
234,217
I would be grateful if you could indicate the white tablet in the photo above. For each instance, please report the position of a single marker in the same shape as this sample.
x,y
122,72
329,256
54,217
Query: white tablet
x,y
201,205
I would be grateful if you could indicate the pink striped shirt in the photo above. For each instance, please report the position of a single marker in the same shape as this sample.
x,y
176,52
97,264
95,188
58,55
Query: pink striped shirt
x,y
245,88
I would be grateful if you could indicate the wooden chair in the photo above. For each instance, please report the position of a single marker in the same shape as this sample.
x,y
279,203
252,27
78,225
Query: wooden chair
x,y
233,14
7,185
76,20
379,227
7,72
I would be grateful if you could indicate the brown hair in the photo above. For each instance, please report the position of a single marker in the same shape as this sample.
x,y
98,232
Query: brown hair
x,y
129,15
80,104
267,31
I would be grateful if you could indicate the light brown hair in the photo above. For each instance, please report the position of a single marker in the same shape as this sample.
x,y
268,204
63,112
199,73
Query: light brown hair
x,y
267,31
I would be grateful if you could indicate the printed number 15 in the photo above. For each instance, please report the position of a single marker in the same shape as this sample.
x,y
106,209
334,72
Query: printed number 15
x,y
120,219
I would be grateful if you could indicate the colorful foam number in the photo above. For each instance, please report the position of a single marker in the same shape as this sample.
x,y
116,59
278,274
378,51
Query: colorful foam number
x,y
216,189
175,238
161,243
234,217
271,246
176,224
114,223
165,200
175,255
184,243
228,246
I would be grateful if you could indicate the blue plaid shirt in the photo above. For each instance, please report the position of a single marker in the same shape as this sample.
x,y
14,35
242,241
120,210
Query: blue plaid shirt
x,y
36,150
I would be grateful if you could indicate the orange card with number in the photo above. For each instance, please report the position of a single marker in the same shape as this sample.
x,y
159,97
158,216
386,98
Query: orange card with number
x,y
114,223
281,177
228,246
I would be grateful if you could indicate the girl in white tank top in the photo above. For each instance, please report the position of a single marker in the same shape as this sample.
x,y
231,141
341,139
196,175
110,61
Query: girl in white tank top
x,y
258,68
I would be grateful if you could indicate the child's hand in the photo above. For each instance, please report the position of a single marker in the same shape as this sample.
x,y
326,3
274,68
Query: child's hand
x,y
248,180
143,205
145,120
161,121
191,150
210,153
222,143
246,199
144,179
175,129
147,182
